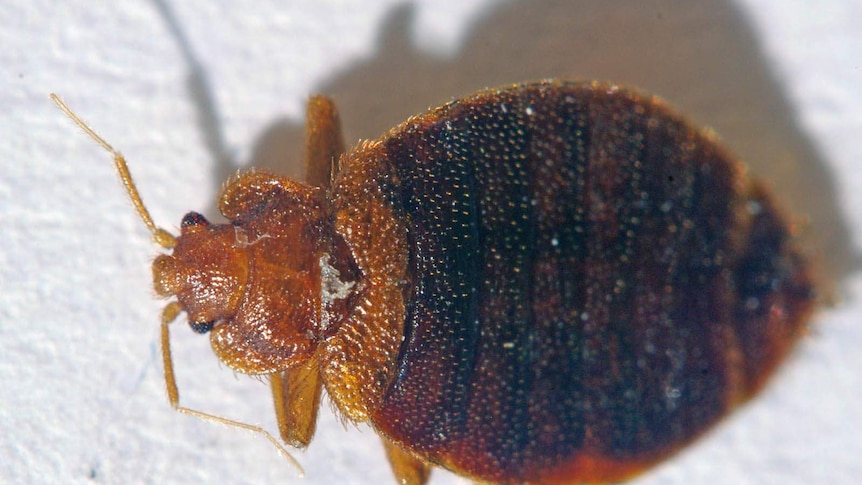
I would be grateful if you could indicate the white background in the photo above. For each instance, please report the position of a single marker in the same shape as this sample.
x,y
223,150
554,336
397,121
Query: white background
x,y
81,389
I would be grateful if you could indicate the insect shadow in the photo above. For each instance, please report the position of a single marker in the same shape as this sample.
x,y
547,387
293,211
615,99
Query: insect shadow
x,y
702,56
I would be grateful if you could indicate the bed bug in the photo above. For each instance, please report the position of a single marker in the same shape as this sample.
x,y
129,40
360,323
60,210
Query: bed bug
x,y
556,282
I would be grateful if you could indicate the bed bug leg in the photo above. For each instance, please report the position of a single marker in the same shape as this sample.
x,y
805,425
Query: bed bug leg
x,y
324,142
408,469
296,393
167,241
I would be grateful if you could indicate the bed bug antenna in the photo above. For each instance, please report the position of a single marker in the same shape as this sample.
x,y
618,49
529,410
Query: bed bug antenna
x,y
162,237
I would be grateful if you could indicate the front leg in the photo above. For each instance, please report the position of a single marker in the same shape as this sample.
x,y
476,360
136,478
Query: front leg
x,y
296,394
324,142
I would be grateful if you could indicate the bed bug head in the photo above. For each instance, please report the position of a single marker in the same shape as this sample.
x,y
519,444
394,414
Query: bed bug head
x,y
206,272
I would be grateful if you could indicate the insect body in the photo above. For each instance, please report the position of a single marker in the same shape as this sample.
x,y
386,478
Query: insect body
x,y
546,283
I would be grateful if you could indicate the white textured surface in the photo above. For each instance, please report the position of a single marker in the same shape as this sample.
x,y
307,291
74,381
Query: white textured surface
x,y
82,400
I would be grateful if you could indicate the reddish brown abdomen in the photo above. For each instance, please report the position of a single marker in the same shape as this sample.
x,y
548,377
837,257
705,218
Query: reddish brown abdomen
x,y
593,284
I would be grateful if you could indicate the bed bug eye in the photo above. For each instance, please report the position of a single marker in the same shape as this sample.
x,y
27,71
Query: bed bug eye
x,y
194,219
201,327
